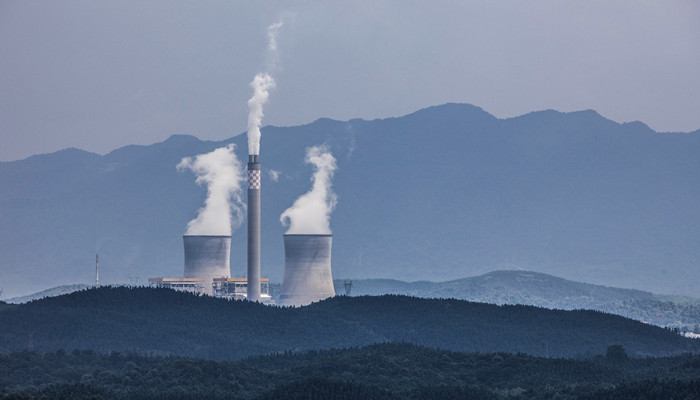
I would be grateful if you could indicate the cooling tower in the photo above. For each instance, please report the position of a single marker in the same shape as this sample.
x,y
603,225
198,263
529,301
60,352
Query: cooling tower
x,y
207,257
253,293
307,269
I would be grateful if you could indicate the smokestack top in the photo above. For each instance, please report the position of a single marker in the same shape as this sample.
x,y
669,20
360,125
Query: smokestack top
x,y
253,159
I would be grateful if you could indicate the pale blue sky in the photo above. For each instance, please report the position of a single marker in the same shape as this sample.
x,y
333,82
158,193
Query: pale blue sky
x,y
98,75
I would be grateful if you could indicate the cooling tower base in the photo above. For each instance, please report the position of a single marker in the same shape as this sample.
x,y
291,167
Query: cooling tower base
x,y
307,270
207,257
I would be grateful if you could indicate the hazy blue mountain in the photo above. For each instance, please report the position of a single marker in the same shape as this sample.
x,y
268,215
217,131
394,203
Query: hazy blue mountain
x,y
542,290
446,192
162,321
52,292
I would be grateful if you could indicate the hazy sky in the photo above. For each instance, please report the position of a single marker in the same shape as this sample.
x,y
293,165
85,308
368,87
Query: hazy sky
x,y
98,75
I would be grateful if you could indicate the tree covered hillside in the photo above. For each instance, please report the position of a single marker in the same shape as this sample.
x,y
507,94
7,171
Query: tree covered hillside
x,y
542,290
161,321
385,371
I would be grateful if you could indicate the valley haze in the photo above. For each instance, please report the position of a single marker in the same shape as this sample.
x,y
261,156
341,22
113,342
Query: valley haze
x,y
443,193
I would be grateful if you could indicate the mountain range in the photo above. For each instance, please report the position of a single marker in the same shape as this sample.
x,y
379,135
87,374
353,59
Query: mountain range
x,y
446,192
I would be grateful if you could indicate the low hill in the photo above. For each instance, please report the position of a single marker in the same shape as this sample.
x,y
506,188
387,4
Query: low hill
x,y
513,287
160,321
543,290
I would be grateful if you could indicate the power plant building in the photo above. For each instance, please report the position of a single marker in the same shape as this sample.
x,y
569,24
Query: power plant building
x,y
191,285
227,288
208,270
207,257
307,269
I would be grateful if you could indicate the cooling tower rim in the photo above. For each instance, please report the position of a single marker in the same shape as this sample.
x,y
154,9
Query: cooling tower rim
x,y
211,236
309,234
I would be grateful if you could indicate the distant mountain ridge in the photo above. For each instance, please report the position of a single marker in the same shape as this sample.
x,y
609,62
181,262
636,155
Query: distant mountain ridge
x,y
445,192
542,290
52,292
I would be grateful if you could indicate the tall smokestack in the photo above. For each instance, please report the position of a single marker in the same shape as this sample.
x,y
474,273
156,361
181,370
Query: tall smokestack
x,y
307,269
261,84
253,293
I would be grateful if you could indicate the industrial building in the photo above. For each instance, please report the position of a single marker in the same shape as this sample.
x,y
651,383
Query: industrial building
x,y
237,289
307,261
227,288
207,257
307,269
208,270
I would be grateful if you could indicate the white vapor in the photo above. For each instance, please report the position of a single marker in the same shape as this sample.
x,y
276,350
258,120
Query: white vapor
x,y
311,213
223,176
261,84
272,36
274,174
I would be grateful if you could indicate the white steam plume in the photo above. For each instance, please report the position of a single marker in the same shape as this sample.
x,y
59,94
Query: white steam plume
x,y
272,36
223,176
261,84
311,213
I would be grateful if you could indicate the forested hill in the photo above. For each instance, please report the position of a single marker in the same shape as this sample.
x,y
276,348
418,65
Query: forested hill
x,y
543,290
160,321
384,371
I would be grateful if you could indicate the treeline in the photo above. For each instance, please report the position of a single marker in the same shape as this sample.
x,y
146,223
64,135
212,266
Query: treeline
x,y
676,312
386,371
542,290
164,322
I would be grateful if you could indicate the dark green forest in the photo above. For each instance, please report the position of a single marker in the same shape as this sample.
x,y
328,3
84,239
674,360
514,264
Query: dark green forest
x,y
382,371
164,322
542,290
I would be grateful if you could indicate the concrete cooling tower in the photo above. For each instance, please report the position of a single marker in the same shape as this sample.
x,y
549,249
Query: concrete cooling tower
x,y
207,257
307,269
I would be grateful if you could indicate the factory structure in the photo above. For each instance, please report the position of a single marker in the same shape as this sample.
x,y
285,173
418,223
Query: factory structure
x,y
208,271
307,269
254,227
307,265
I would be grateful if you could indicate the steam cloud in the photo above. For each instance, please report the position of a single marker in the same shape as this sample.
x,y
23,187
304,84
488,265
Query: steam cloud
x,y
272,37
223,176
311,213
261,84
274,174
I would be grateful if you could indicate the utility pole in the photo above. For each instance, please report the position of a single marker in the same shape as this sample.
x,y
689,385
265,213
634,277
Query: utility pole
x,y
97,270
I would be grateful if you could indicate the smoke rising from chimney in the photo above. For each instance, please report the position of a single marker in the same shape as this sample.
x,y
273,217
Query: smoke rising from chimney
x,y
311,213
261,84
272,37
223,176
